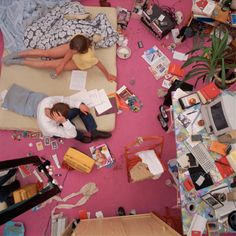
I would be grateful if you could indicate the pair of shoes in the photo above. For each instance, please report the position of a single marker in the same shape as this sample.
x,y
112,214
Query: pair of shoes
x,y
164,124
121,211
104,3
85,139
163,113
96,134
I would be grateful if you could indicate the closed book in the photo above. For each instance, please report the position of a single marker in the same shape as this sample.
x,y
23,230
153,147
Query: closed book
x,y
232,159
224,167
208,92
175,69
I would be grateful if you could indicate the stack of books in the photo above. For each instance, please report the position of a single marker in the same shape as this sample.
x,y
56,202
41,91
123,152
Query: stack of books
x,y
203,10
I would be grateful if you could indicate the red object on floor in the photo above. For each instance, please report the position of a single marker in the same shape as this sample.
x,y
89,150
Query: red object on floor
x,y
83,214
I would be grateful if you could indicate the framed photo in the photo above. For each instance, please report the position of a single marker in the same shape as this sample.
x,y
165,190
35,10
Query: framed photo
x,y
212,201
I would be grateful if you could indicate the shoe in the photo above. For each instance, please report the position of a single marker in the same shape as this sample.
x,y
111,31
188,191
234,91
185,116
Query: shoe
x,y
121,211
164,125
96,134
85,139
163,113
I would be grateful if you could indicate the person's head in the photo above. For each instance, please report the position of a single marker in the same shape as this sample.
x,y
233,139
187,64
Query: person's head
x,y
61,108
80,43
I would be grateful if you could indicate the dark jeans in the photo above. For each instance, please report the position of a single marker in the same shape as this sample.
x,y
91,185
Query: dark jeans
x,y
88,121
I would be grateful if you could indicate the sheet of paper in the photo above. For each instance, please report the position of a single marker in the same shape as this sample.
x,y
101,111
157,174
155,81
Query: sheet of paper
x,y
154,165
198,224
209,8
179,93
94,98
78,80
81,96
180,56
105,102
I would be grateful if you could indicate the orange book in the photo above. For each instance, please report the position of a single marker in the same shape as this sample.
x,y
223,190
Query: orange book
x,y
175,69
208,92
218,147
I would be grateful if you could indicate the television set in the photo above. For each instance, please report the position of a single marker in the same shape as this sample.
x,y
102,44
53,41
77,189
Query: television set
x,y
220,114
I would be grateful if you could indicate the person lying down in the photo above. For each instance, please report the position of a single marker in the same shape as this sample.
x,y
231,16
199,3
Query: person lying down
x,y
78,54
54,114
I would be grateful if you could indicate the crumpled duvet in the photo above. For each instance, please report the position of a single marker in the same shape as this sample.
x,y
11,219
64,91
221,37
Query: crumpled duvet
x,y
16,15
55,29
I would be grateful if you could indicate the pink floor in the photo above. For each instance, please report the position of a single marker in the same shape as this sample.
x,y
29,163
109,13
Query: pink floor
x,y
114,190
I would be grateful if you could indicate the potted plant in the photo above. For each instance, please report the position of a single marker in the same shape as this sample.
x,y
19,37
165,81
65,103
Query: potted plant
x,y
214,62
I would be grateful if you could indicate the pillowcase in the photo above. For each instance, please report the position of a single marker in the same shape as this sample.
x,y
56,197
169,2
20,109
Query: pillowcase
x,y
75,11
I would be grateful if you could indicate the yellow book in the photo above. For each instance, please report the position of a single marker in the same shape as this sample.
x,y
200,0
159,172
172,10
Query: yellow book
x,y
78,160
232,159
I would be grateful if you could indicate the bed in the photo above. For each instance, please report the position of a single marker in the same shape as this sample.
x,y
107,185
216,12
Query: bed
x,y
40,81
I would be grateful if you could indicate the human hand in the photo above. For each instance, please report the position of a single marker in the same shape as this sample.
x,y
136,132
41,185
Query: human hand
x,y
111,78
59,69
58,117
84,108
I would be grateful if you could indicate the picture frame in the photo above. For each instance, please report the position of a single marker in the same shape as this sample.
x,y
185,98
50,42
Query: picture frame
x,y
210,200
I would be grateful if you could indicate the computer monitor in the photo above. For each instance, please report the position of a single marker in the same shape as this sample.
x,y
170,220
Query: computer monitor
x,y
220,114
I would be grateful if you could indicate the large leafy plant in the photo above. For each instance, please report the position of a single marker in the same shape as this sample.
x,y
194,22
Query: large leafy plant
x,y
211,60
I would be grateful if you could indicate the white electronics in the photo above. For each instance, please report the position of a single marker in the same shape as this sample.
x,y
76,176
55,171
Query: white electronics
x,y
220,114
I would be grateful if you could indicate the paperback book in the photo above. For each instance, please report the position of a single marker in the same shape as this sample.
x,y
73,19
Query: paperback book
x,y
101,154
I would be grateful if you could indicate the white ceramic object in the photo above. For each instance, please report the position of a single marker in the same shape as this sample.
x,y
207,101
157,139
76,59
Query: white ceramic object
x,y
123,52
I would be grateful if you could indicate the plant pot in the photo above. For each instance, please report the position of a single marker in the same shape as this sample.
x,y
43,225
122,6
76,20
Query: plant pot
x,y
228,82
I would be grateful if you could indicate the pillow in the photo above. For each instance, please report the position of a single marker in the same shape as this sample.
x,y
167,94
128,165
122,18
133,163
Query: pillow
x,y
75,11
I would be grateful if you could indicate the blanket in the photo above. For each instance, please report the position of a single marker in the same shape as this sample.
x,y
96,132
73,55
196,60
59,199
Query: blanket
x,y
16,15
55,29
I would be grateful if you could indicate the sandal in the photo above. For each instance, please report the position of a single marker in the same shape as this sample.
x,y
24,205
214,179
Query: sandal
x,y
164,124
163,113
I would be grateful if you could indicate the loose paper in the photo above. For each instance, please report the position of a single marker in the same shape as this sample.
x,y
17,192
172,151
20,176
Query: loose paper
x,y
180,56
105,102
78,80
94,98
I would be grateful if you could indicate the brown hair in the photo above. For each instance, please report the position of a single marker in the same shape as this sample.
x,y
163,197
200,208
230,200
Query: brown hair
x,y
80,43
60,107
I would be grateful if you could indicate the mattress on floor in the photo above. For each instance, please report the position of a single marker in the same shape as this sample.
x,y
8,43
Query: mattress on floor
x,y
40,81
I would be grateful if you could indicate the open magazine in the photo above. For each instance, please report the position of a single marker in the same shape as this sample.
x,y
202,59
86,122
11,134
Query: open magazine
x,y
101,154
157,60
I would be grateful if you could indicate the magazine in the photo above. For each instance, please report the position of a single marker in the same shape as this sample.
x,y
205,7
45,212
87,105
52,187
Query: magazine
x,y
101,154
123,17
158,61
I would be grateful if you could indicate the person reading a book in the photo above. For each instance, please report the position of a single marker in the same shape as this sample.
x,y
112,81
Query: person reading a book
x,y
78,54
54,114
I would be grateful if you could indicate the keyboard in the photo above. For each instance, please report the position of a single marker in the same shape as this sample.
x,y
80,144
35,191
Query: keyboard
x,y
203,157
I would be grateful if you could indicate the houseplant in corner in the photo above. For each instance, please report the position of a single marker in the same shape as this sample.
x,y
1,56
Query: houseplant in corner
x,y
214,62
